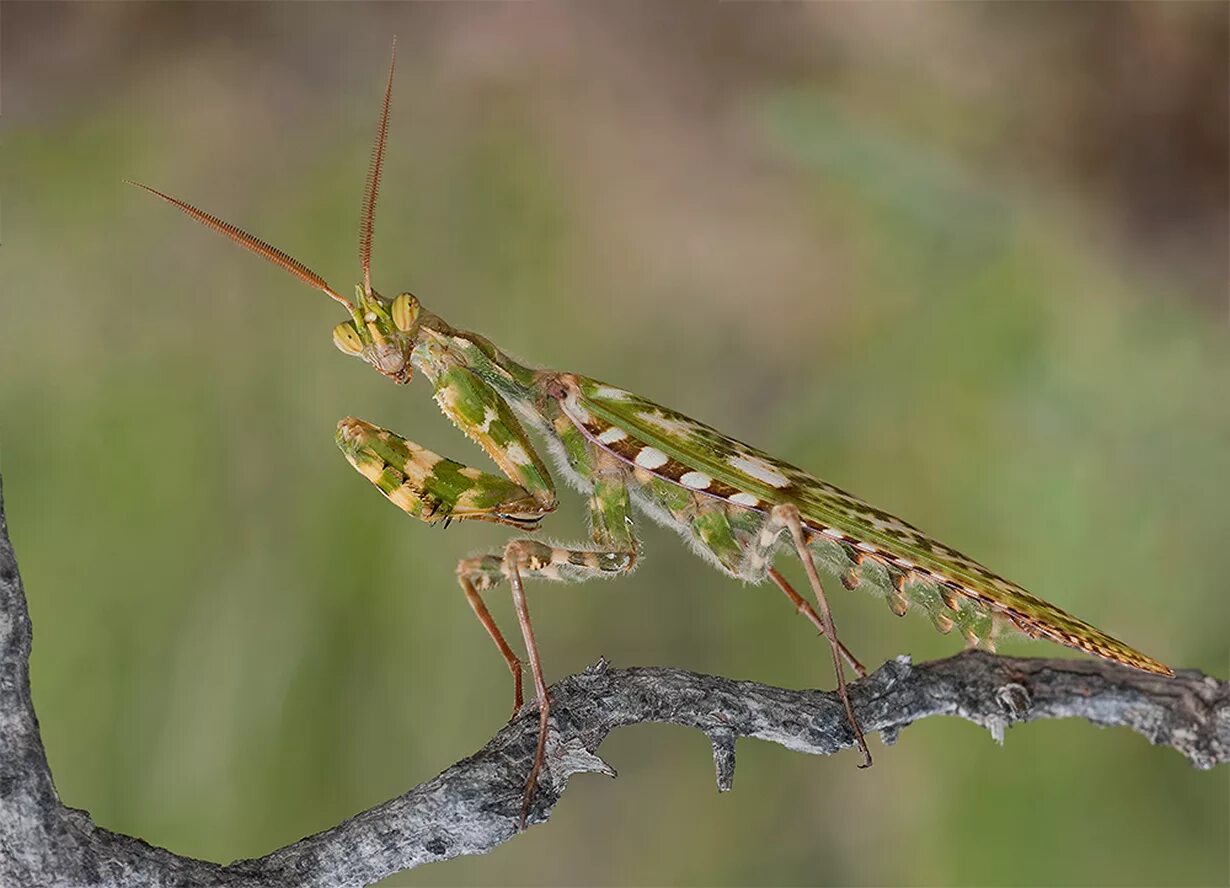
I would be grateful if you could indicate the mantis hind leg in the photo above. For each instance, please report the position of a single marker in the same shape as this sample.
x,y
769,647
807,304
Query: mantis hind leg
x,y
759,553
746,553
714,527
786,517
806,610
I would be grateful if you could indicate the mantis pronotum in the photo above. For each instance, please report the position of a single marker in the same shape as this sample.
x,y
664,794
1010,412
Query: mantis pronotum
x,y
737,507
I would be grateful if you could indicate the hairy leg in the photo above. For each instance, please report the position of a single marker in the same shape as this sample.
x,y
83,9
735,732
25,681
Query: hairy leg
x,y
613,552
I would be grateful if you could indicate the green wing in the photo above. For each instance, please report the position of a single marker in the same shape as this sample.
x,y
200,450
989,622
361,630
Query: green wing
x,y
853,530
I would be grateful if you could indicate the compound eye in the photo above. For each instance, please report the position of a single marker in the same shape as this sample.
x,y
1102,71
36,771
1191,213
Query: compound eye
x,y
346,338
405,312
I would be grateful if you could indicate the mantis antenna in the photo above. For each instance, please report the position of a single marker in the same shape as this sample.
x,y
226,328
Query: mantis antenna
x,y
283,260
255,244
373,181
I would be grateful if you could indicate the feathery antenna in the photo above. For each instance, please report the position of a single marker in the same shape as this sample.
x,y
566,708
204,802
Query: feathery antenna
x,y
255,244
373,180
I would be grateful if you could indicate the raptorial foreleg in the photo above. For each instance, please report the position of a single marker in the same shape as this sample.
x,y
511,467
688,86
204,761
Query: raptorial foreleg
x,y
435,488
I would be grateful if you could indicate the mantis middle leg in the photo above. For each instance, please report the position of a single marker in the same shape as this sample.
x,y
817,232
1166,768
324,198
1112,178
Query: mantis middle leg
x,y
613,552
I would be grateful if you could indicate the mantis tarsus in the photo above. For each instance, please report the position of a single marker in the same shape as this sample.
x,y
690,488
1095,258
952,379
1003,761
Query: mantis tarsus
x,y
736,506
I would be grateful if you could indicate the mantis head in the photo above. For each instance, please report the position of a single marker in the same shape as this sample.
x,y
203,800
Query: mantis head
x,y
382,332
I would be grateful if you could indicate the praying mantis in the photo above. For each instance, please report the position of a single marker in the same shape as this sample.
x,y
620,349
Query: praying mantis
x,y
736,506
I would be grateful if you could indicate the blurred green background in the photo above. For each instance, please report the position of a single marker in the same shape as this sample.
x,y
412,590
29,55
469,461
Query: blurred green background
x,y
968,260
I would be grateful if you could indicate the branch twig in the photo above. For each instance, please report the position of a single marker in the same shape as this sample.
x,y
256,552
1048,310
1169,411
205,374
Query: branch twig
x,y
475,805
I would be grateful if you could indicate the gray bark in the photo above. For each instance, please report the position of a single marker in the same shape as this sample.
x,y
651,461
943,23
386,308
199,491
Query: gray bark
x,y
475,804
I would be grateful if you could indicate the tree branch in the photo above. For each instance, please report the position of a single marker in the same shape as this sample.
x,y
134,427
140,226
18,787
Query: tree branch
x,y
474,805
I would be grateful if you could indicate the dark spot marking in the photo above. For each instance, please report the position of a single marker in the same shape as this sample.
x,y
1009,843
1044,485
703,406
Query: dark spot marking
x,y
436,846
625,448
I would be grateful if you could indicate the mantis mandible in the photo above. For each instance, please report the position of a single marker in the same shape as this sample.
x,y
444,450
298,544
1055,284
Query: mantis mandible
x,y
736,506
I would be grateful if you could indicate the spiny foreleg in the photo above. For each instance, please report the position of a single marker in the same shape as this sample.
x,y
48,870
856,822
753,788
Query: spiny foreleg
x,y
487,420
435,488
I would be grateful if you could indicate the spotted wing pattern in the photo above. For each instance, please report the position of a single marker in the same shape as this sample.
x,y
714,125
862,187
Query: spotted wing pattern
x,y
874,546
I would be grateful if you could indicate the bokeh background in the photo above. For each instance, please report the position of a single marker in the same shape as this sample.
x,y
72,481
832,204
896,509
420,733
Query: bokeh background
x,y
969,260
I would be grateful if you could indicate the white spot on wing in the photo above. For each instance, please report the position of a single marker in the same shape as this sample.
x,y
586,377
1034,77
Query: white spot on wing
x,y
650,458
574,410
613,434
666,423
580,414
760,470
696,480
